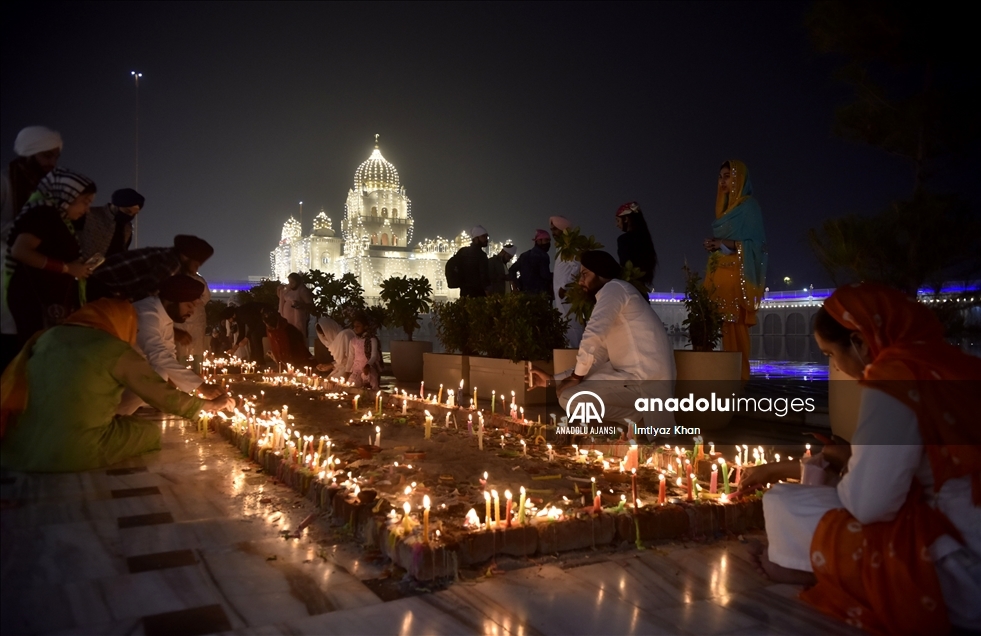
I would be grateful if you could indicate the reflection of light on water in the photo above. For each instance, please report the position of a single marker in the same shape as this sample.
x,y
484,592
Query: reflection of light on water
x,y
783,369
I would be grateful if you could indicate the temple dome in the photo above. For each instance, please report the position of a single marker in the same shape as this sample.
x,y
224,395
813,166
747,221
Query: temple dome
x,y
291,230
376,173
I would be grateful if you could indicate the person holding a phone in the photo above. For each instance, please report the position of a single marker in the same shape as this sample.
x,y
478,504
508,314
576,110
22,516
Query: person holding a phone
x,y
43,256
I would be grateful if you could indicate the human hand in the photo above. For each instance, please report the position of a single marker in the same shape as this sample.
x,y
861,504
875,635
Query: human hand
x,y
80,271
837,455
210,391
711,244
366,370
753,478
539,377
222,403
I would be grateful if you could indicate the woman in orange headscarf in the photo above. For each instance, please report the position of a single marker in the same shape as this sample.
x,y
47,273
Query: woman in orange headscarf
x,y
895,547
737,265
60,394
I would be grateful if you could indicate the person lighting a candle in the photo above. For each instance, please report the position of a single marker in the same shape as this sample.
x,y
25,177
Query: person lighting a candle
x,y
899,535
61,393
624,354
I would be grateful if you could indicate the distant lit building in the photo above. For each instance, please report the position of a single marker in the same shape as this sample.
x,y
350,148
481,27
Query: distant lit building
x,y
375,237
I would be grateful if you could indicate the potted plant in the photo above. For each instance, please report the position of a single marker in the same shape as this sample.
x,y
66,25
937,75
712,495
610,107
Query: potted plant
x,y
703,370
509,331
404,299
569,246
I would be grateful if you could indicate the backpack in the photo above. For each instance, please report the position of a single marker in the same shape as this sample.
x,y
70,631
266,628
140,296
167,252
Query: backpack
x,y
454,273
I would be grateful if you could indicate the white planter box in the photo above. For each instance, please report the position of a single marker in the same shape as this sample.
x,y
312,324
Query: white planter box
x,y
503,376
446,369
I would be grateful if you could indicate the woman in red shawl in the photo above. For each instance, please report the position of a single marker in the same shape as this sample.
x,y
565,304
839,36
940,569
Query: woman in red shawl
x,y
895,546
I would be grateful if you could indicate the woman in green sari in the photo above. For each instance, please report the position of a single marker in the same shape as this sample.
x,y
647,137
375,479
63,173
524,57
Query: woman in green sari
x,y
60,394
737,264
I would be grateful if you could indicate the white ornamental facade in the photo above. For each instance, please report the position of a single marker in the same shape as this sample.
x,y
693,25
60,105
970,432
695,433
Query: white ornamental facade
x,y
375,239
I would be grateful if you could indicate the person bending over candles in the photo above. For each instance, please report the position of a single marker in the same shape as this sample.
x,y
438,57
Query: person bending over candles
x,y
895,545
624,354
60,395
365,355
338,343
156,315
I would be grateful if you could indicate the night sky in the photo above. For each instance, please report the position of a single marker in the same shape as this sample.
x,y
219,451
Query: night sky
x,y
498,114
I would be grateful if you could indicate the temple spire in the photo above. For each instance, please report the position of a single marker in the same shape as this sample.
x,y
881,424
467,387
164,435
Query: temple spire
x,y
376,141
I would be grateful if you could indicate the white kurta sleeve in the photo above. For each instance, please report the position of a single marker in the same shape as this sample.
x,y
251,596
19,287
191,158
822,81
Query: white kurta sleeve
x,y
155,338
593,348
886,451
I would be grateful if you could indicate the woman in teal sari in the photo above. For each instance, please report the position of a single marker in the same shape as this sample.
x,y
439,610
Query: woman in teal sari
x,y
737,265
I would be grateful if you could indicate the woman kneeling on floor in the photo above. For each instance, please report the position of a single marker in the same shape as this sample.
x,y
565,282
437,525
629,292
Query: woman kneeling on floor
x,y
60,394
895,546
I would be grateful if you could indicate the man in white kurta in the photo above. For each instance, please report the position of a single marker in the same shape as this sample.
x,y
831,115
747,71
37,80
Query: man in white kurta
x,y
563,273
625,353
155,336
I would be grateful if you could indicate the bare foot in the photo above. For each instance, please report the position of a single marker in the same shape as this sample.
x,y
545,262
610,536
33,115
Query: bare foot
x,y
780,574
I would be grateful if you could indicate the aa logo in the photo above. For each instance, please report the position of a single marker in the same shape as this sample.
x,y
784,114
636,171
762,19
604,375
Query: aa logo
x,y
580,408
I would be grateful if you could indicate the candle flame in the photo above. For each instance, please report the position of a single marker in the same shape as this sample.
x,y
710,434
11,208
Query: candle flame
x,y
425,502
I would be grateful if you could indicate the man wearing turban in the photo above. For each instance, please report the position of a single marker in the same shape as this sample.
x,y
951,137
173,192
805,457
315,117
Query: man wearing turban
x,y
624,354
531,273
108,229
156,315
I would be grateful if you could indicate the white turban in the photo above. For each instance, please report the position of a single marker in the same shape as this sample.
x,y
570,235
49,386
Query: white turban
x,y
35,139
509,250
478,230
560,223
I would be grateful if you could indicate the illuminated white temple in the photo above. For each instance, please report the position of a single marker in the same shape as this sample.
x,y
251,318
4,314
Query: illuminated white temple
x,y
375,237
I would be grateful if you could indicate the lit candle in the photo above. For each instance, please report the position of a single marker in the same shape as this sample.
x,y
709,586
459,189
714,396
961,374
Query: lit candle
x,y
662,491
378,436
807,450
507,508
551,453
378,402
406,520
497,509
429,424
739,470
633,486
630,462
691,486
470,424
493,401
354,403
502,441
404,405
450,400
711,448
714,481
480,433
521,507
422,390
475,397
592,481
487,517
725,475
425,518
502,403
524,448
439,396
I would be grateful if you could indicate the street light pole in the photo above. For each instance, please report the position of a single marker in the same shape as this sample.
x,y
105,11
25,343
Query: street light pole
x,y
136,152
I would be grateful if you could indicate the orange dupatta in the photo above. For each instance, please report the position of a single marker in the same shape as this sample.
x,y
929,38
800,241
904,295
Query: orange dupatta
x,y
880,576
115,317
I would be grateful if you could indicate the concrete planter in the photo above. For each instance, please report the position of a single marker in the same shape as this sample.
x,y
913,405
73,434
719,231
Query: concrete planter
x,y
503,376
407,364
564,359
844,398
702,373
446,369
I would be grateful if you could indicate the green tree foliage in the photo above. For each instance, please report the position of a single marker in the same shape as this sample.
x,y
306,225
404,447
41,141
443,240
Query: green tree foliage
x,y
264,292
405,298
571,244
581,303
911,71
337,298
704,321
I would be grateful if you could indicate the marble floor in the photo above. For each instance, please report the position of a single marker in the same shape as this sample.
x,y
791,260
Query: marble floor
x,y
195,540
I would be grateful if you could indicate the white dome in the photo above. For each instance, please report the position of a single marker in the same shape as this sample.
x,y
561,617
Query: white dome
x,y
376,173
291,230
